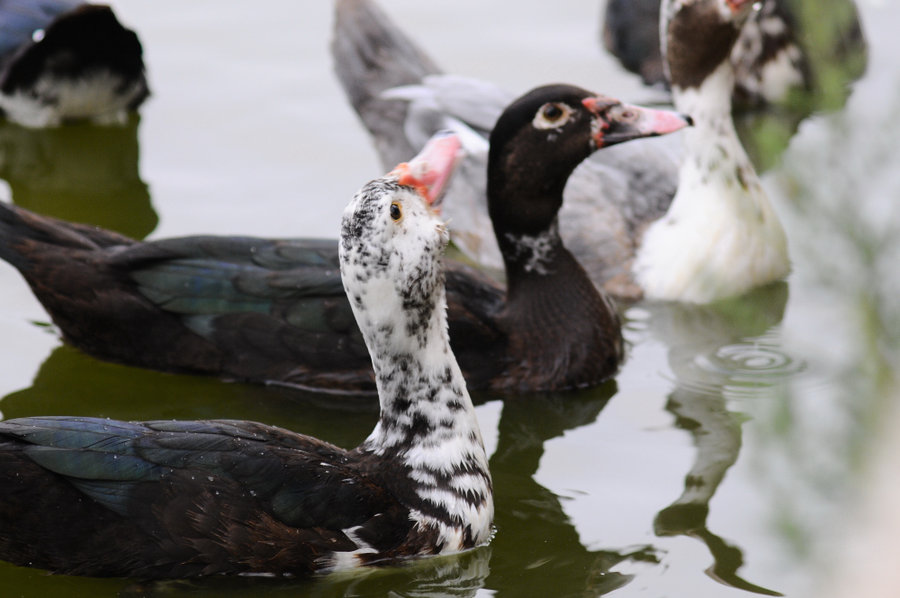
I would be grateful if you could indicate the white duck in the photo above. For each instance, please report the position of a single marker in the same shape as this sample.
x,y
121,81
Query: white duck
x,y
720,236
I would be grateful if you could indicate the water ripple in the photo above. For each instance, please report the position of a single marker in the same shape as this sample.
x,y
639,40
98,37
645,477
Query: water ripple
x,y
749,361
748,368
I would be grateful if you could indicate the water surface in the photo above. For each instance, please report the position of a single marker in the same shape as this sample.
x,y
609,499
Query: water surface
x,y
728,458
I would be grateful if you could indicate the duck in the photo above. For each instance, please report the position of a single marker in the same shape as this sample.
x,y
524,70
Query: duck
x,y
67,60
771,57
274,311
742,244
171,499
615,197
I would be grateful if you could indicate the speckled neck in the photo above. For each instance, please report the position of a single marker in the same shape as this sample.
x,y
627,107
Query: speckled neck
x,y
428,424
422,392
712,147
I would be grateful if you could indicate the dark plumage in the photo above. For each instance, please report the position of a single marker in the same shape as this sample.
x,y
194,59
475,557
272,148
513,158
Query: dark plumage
x,y
274,311
185,498
100,497
67,60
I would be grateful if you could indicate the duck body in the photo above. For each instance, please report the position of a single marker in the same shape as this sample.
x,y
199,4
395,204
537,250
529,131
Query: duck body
x,y
63,60
274,311
617,197
182,499
242,308
188,498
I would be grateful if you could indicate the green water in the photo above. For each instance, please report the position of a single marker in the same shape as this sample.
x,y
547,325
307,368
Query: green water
x,y
728,458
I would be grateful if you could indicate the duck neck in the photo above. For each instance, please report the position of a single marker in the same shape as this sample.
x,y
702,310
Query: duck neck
x,y
528,256
428,424
709,105
550,294
423,396
714,156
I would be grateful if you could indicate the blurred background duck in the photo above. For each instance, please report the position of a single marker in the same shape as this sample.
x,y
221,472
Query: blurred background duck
x,y
720,237
66,60
614,198
772,58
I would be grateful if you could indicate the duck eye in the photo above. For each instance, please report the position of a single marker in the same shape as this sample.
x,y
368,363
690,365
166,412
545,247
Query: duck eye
x,y
552,111
552,115
396,212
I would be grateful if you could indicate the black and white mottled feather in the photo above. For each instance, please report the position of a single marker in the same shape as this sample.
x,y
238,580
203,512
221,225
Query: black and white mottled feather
x,y
427,421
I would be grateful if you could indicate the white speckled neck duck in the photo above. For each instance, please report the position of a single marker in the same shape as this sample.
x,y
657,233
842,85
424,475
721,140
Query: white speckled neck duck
x,y
159,499
615,196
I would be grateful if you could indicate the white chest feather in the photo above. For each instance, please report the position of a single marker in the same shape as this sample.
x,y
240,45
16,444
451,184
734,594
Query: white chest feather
x,y
720,237
100,97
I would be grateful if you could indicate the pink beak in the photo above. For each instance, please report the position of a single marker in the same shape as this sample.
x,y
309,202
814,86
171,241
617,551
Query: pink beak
x,y
429,172
615,122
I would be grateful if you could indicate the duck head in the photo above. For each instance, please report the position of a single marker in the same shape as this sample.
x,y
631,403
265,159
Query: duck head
x,y
698,36
539,140
392,240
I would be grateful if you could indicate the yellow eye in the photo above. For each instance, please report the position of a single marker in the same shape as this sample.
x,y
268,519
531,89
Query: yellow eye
x,y
396,212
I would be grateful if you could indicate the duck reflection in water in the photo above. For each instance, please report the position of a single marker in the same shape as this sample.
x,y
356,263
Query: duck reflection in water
x,y
80,172
711,349
453,576
537,547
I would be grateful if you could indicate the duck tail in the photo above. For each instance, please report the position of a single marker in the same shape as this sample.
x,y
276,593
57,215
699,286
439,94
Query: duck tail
x,y
370,56
23,233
